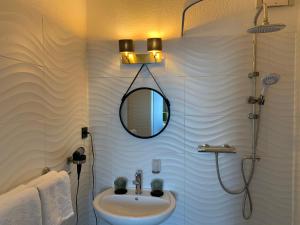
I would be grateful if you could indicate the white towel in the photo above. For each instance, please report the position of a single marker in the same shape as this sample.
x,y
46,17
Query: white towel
x,y
21,206
55,193
65,198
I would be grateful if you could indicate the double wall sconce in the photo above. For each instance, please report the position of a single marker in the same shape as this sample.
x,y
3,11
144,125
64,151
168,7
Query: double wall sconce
x,y
128,56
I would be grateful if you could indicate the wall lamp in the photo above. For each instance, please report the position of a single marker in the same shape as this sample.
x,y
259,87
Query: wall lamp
x,y
128,56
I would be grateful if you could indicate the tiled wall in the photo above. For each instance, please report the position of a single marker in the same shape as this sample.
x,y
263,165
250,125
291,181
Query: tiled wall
x,y
43,105
43,97
206,80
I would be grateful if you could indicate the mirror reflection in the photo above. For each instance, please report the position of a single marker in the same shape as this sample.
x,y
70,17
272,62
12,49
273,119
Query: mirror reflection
x,y
144,113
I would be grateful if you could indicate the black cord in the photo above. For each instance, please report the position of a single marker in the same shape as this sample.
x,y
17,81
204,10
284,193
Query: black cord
x,y
152,75
133,80
77,216
155,81
93,175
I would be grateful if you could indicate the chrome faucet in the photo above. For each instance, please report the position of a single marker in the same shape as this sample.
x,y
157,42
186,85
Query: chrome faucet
x,y
138,182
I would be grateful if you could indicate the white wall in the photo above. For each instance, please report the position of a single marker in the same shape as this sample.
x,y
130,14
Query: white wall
x,y
43,86
207,93
205,78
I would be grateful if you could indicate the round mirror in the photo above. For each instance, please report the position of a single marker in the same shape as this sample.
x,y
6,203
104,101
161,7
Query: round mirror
x,y
144,112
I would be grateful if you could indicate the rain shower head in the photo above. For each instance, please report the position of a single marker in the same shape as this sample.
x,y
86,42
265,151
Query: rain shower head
x,y
265,27
269,80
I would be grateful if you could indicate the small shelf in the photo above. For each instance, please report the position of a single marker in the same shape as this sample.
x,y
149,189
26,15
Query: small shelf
x,y
216,149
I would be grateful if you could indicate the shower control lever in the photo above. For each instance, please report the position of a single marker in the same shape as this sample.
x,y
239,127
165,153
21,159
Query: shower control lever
x,y
253,116
253,100
261,100
253,74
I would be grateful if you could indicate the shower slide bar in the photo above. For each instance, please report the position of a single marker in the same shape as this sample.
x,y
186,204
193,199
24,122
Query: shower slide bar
x,y
216,149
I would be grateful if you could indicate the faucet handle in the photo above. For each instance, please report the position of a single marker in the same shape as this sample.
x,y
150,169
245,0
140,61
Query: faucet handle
x,y
139,172
135,182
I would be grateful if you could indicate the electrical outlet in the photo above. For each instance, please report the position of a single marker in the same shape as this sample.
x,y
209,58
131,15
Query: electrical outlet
x,y
84,132
274,3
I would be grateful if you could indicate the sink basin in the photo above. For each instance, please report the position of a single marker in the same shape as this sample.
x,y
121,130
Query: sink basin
x,y
132,209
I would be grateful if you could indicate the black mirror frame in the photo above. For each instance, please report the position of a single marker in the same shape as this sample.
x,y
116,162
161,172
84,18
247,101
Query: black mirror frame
x,y
147,88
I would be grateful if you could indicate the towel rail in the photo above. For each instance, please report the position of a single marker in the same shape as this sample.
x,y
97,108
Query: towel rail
x,y
47,170
69,161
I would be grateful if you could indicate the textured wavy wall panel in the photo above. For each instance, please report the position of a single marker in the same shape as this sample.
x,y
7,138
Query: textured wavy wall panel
x,y
276,203
22,94
206,81
65,77
206,203
43,98
276,53
64,51
217,130
209,56
297,135
107,101
107,63
23,132
21,32
217,95
297,126
22,122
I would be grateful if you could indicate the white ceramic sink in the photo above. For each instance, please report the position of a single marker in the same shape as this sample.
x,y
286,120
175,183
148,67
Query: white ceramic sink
x,y
132,209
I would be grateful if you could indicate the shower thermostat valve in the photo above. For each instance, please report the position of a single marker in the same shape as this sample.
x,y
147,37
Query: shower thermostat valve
x,y
216,149
251,157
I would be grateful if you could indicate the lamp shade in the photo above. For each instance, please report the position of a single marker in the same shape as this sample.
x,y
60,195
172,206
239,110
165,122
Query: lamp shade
x,y
126,45
154,44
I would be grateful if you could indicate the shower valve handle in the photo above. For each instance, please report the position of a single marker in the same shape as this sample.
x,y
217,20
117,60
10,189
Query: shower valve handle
x,y
253,116
253,100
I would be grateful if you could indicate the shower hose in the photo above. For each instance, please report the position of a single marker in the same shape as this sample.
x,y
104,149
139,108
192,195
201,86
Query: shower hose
x,y
246,180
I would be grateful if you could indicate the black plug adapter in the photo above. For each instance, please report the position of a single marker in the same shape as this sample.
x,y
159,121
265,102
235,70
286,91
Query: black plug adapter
x,y
84,132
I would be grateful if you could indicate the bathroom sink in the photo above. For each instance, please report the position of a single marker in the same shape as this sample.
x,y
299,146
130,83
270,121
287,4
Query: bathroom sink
x,y
132,209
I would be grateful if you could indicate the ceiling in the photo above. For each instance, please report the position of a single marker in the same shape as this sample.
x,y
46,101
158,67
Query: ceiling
x,y
141,19
70,14
116,19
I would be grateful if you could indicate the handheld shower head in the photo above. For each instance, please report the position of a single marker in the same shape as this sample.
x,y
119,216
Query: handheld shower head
x,y
269,80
